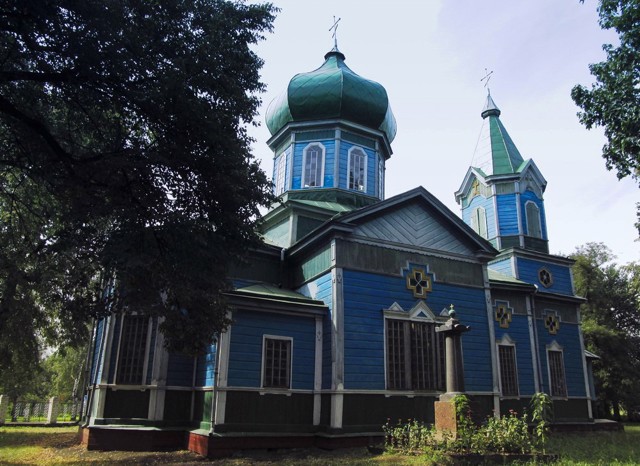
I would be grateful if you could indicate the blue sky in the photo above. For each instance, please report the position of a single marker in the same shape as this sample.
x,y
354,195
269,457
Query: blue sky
x,y
430,57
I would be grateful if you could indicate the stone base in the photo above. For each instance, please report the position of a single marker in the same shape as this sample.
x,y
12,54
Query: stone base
x,y
446,421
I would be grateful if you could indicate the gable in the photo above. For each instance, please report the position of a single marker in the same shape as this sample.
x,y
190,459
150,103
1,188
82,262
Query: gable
x,y
415,225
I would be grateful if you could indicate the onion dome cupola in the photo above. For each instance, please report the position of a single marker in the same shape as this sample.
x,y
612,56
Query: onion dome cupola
x,y
331,131
502,193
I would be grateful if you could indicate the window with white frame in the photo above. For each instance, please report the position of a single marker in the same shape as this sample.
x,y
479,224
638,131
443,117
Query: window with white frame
x,y
557,381
357,169
276,362
415,356
381,178
479,221
313,165
134,333
508,367
534,227
281,163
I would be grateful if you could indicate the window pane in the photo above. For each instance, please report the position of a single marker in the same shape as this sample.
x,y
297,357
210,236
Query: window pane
x,y
313,166
556,371
277,361
133,343
533,220
357,170
508,371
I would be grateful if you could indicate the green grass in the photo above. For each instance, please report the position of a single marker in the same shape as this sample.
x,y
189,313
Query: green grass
x,y
59,445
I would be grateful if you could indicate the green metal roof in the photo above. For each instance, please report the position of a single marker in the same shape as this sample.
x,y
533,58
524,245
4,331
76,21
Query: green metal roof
x,y
500,277
333,91
496,154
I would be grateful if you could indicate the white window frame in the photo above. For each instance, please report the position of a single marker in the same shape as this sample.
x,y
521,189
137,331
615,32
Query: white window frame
x,y
320,166
537,218
506,341
381,178
479,220
555,347
264,362
280,173
364,155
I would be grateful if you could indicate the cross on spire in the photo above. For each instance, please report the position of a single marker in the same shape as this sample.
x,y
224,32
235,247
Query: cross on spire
x,y
334,27
486,79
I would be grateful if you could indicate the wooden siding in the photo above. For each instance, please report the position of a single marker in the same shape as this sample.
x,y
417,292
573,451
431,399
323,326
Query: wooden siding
x,y
366,295
517,300
528,271
503,266
313,266
98,348
152,349
113,357
322,289
357,256
329,161
279,233
205,367
359,140
518,331
530,196
568,338
507,214
487,205
413,225
180,370
568,312
245,352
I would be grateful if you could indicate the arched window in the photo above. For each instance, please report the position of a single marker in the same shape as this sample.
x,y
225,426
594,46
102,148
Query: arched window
x,y
533,220
313,165
479,221
357,169
381,178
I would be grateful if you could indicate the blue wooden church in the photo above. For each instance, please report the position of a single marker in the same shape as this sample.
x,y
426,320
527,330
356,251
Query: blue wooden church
x,y
334,319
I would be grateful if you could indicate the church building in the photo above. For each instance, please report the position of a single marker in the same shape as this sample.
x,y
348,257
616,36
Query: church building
x,y
334,321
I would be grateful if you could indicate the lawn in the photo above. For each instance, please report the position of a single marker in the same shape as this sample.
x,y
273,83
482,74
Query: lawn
x,y
59,445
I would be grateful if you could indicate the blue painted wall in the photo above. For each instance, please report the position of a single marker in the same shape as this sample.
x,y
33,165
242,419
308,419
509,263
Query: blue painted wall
x,y
503,266
366,295
568,338
487,204
96,367
518,331
245,351
206,367
530,196
528,271
329,162
507,214
180,370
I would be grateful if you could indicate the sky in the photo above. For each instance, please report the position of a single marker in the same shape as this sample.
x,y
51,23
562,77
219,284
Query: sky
x,y
430,56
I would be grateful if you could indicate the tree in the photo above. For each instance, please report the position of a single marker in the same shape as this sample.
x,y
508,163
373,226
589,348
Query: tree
x,y
126,178
610,323
613,102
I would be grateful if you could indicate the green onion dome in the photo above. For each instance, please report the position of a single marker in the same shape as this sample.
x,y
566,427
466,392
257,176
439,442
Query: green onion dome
x,y
333,91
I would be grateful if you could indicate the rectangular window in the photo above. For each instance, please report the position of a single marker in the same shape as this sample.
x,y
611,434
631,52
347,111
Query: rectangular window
x,y
280,173
415,356
276,363
508,370
556,374
133,346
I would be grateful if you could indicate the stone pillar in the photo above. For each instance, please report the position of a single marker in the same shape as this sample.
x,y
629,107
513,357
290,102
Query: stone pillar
x,y
4,405
445,412
52,415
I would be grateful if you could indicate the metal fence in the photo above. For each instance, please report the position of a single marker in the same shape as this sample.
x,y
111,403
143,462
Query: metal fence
x,y
46,412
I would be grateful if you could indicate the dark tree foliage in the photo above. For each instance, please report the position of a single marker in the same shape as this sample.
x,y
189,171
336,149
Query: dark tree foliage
x,y
124,156
611,324
613,102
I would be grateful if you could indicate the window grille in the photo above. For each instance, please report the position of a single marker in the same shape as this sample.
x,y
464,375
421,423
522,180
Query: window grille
x,y
508,370
556,373
133,344
415,356
277,363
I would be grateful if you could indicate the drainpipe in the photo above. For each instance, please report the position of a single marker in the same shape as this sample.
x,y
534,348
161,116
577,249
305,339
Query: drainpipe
x,y
283,252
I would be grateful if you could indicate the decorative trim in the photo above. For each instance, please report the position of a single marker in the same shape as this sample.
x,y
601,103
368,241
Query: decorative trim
x,y
303,180
365,162
551,321
502,313
545,277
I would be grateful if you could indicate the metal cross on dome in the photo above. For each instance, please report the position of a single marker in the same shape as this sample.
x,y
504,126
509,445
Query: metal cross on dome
x,y
486,78
334,27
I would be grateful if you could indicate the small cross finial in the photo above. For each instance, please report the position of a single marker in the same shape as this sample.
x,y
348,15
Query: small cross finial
x,y
486,79
452,312
334,27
